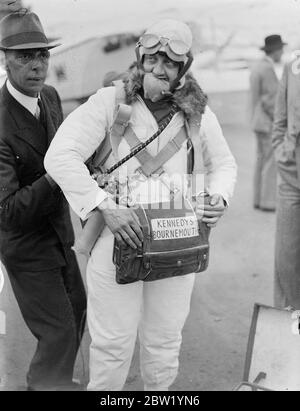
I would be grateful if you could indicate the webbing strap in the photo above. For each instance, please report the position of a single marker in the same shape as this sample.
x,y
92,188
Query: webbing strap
x,y
133,141
193,129
154,165
103,153
113,137
119,125
190,156
165,154
149,164
143,145
195,157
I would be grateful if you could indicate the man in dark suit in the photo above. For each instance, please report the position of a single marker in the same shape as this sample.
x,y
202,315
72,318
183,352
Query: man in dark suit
x,y
36,234
264,82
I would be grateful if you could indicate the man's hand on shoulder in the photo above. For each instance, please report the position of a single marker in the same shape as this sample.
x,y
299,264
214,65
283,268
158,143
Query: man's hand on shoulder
x,y
122,222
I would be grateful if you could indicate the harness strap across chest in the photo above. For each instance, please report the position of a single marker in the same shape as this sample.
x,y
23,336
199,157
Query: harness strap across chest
x,y
109,145
154,165
149,165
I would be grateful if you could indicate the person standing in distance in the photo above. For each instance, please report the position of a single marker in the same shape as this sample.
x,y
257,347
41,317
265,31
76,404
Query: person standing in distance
x,y
264,81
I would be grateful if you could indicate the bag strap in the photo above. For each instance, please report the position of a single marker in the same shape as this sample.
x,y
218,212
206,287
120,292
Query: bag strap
x,y
119,126
141,146
149,164
193,126
154,165
167,152
144,157
113,137
196,181
190,151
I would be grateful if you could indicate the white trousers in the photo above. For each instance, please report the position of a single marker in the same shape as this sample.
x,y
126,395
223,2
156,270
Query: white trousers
x,y
156,311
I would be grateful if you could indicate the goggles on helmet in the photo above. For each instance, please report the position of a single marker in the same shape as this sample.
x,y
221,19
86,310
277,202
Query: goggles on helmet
x,y
175,49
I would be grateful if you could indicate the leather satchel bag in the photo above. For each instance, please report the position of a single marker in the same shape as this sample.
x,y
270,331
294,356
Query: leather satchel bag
x,y
175,243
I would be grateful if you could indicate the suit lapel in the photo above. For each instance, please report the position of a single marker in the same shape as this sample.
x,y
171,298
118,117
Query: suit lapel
x,y
35,137
28,128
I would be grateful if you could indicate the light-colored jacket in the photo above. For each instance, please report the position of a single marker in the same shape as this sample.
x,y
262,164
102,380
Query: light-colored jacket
x,y
263,87
286,129
85,128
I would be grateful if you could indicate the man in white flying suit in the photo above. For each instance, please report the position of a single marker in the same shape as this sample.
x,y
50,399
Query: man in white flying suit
x,y
156,310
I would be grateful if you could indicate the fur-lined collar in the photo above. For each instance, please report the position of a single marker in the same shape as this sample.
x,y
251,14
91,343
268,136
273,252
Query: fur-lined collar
x,y
190,98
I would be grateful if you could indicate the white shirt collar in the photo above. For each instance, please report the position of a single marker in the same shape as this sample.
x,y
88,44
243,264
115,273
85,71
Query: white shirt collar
x,y
30,103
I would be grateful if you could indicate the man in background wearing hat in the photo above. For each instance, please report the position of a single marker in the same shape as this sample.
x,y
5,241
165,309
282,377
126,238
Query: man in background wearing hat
x,y
35,228
264,82
157,87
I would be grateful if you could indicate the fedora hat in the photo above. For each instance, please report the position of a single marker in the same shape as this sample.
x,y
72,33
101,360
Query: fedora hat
x,y
273,43
23,30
